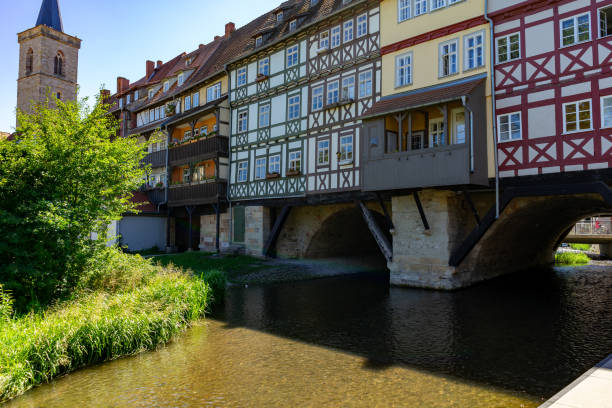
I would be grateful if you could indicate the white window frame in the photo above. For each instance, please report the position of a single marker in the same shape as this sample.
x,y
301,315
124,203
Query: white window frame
x,y
166,86
260,168
348,31
213,92
362,25
575,25
242,173
577,104
293,107
274,164
603,115
324,40
508,49
406,79
448,43
437,4
295,157
437,132
263,66
243,121
258,41
336,36
420,7
279,17
241,76
348,88
333,92
599,27
509,116
181,79
318,93
265,113
466,50
195,99
323,152
404,10
346,149
151,93
293,56
188,102
365,84
292,25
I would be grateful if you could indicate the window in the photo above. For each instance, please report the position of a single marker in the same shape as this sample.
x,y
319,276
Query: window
x,y
348,31
195,99
605,21
365,84
242,76
243,118
403,10
187,102
508,48
606,112
324,40
279,17
577,116
187,135
204,130
128,99
317,98
136,95
213,92
323,152
362,25
186,174
335,36
243,171
58,96
151,93
274,164
260,168
166,86
292,25
348,88
294,107
29,61
292,56
264,67
436,130
420,7
152,115
58,66
575,30
346,148
258,40
474,50
332,93
436,4
403,70
448,58
264,115
509,127
120,103
181,79
295,161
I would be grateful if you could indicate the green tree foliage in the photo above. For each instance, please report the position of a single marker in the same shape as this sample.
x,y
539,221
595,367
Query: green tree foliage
x,y
65,176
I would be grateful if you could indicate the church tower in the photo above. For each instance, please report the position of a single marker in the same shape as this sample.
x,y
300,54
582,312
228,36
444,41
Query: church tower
x,y
48,59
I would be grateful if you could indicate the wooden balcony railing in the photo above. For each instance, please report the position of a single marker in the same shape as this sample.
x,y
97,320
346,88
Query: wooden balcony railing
x,y
155,159
199,149
194,193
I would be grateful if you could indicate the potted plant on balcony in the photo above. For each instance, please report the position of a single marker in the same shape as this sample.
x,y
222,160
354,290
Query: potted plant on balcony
x,y
293,172
159,185
170,109
272,175
261,77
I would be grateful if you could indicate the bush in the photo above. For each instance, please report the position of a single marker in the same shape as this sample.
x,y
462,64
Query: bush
x,y
571,258
580,247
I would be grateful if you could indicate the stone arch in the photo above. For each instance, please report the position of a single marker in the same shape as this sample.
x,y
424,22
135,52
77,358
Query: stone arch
x,y
58,64
344,233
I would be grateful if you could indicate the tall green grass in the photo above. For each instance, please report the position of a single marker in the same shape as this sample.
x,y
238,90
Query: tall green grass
x,y
124,305
580,247
571,258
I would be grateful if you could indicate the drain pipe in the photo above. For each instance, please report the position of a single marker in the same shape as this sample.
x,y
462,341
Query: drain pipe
x,y
167,163
493,101
465,106
229,153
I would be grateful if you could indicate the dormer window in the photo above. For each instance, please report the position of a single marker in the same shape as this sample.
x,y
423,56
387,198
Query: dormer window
x,y
136,95
346,1
279,17
292,25
121,103
151,93
128,99
181,79
258,41
166,86
188,61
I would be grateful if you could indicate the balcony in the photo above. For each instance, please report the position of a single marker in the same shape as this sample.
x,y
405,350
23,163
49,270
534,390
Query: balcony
x,y
197,193
155,159
198,150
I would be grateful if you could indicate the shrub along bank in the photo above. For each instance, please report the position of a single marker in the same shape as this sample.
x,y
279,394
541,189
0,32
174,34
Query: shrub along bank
x,y
571,258
123,305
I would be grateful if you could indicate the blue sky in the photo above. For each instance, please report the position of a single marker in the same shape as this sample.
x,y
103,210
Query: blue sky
x,y
119,36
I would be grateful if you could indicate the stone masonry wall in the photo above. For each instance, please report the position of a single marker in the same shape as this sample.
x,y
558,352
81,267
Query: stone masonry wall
x,y
208,232
257,229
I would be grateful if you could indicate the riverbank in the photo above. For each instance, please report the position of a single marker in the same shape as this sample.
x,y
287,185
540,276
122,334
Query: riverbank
x,y
123,305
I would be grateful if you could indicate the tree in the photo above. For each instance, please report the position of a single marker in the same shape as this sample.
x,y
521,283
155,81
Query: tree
x,y
64,176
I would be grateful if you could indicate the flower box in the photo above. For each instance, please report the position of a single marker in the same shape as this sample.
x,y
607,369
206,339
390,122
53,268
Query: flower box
x,y
272,175
261,77
293,173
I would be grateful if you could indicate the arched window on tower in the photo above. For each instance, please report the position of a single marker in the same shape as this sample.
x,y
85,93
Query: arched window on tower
x,y
29,61
58,66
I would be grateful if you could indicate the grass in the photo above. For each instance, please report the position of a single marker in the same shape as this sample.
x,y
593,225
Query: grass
x,y
231,266
580,247
123,305
571,258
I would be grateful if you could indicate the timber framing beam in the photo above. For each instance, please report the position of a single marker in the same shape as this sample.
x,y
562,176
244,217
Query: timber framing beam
x,y
377,233
468,198
417,200
276,229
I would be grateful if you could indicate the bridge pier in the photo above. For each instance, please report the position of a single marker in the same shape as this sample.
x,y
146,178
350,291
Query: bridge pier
x,y
605,250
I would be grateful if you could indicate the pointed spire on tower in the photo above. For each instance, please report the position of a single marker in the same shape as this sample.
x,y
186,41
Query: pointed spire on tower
x,y
50,15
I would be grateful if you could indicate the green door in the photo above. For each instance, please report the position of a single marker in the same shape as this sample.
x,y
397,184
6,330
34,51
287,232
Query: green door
x,y
239,224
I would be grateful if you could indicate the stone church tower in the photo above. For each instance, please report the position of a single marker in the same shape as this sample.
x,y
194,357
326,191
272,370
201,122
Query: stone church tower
x,y
48,59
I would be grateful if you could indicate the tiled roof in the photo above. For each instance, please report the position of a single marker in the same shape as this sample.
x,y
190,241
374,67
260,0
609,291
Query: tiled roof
x,y
424,97
50,15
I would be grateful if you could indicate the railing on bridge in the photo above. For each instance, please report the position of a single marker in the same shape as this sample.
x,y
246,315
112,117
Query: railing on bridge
x,y
594,226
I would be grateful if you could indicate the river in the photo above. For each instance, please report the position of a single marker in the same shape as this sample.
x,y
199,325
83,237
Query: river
x,y
354,342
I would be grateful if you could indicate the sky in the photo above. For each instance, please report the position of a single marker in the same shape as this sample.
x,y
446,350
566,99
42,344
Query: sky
x,y
119,36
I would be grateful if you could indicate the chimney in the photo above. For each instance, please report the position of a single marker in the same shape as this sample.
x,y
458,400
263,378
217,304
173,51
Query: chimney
x,y
229,29
122,84
159,64
150,68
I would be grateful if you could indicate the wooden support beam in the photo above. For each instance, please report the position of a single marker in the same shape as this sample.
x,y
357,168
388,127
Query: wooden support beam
x,y
189,209
276,229
379,236
384,208
417,200
468,198
217,232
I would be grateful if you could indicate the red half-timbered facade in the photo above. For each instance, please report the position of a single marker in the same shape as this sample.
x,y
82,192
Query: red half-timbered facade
x,y
553,86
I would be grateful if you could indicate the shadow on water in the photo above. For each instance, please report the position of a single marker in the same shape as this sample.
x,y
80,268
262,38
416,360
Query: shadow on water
x,y
532,332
